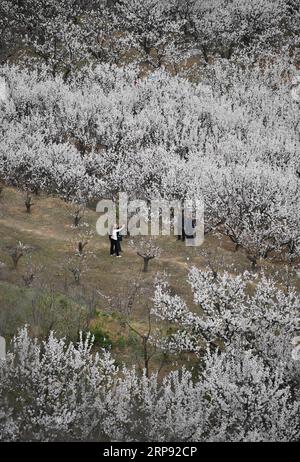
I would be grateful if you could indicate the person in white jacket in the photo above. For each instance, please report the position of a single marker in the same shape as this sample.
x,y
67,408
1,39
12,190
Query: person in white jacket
x,y
114,245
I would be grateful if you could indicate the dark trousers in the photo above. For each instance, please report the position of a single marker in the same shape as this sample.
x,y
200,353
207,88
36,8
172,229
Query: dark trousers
x,y
119,245
114,247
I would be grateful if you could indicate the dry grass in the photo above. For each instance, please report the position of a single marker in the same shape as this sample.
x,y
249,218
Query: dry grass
x,y
48,230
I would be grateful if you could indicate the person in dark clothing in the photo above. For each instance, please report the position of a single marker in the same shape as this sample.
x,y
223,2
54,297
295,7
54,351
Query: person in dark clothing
x,y
120,238
114,247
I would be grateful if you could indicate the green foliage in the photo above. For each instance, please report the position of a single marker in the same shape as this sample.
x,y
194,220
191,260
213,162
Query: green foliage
x,y
42,310
102,338
121,342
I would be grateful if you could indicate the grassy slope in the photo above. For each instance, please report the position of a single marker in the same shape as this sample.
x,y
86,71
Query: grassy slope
x,y
48,230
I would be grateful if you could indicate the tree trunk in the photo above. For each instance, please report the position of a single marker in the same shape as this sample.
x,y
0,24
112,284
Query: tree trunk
x,y
146,356
146,263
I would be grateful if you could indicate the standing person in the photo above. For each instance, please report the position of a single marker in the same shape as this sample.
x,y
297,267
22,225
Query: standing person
x,y
111,242
114,244
120,238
